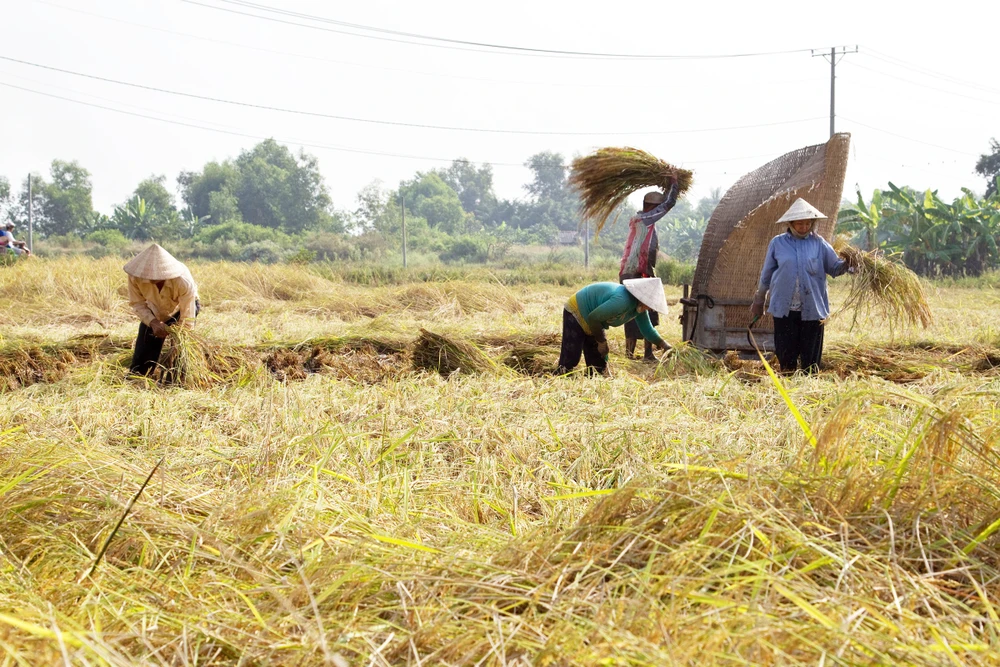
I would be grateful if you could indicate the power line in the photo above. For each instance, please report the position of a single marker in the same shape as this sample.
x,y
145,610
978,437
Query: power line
x,y
924,85
308,144
901,136
463,45
897,62
319,114
261,49
245,135
305,56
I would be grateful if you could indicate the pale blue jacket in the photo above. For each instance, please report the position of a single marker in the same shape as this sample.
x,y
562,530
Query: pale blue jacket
x,y
811,259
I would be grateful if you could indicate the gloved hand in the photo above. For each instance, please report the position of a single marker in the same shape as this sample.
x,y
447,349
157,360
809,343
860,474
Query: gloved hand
x,y
757,309
602,349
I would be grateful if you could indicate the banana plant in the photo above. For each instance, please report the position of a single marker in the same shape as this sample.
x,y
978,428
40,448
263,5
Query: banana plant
x,y
134,220
863,219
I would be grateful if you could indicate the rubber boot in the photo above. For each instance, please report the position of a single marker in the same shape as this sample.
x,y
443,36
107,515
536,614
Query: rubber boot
x,y
648,352
630,348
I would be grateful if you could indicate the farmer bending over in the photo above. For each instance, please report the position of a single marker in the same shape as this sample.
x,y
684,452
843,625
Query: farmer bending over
x,y
639,257
795,269
601,305
162,292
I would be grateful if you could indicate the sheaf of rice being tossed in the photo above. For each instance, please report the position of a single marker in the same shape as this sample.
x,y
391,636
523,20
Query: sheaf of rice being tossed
x,y
604,179
881,286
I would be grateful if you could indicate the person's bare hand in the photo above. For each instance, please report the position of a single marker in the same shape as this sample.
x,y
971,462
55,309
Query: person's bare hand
x,y
159,329
757,309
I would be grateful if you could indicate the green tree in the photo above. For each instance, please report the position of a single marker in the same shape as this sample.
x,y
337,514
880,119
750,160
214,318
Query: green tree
x,y
863,219
965,233
134,219
165,221
706,205
210,191
281,191
430,198
989,167
62,205
376,211
474,187
933,236
268,186
681,237
552,203
6,202
153,191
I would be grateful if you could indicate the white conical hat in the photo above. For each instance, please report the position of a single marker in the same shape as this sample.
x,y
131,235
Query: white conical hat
x,y
154,263
801,210
649,291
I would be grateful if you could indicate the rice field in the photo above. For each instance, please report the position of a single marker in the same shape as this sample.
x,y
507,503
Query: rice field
x,y
389,476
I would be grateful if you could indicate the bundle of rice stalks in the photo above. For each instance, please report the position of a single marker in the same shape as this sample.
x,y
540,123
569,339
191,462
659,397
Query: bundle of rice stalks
x,y
883,287
194,362
608,176
446,356
686,359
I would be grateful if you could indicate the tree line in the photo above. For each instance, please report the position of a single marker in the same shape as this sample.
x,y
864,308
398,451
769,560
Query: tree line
x,y
270,203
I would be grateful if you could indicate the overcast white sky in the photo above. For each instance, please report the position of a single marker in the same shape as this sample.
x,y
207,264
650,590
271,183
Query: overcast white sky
x,y
921,99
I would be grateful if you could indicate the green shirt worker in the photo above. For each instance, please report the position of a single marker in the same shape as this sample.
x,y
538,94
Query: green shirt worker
x,y
601,305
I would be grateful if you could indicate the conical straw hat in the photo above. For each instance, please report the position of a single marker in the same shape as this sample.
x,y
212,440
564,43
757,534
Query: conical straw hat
x,y
649,291
801,210
154,263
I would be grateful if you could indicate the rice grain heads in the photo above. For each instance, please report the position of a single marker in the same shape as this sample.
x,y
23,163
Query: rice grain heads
x,y
608,176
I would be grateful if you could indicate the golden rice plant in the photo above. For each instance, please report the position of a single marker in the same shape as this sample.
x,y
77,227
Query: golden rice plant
x,y
607,177
883,287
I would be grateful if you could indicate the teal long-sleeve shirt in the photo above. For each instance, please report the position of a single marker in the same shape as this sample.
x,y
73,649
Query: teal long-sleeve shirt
x,y
601,305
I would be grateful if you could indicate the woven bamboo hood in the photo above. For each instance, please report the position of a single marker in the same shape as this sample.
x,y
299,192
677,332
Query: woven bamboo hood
x,y
154,263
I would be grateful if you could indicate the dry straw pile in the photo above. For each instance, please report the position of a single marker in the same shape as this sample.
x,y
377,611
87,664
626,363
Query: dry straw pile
x,y
607,177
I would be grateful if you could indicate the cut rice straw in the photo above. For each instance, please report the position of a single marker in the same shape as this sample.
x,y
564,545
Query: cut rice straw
x,y
607,177
436,352
883,287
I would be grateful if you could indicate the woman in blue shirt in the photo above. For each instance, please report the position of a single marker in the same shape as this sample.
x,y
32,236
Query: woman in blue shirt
x,y
795,270
601,305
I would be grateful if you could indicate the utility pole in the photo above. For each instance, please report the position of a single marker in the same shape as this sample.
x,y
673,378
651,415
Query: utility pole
x,y
402,210
833,57
31,218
